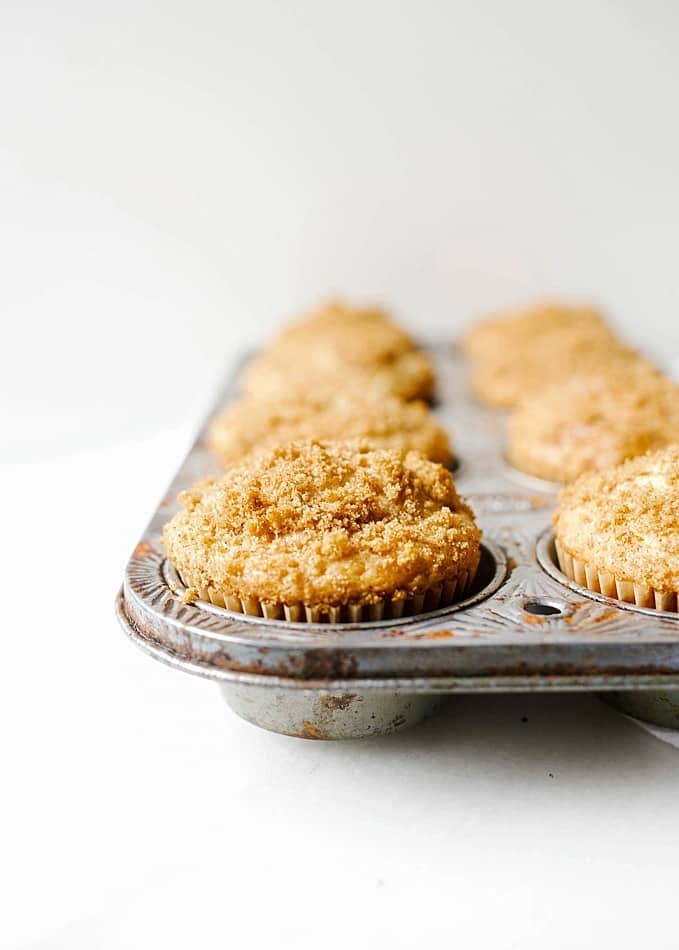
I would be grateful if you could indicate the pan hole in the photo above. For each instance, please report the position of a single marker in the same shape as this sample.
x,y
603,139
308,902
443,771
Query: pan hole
x,y
542,607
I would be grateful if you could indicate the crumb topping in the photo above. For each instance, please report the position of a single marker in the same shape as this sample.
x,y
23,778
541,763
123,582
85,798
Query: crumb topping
x,y
324,523
338,348
335,319
522,328
255,425
299,369
625,521
592,422
510,377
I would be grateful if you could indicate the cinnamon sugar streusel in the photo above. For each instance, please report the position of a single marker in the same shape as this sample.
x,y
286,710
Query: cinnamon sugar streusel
x,y
522,328
336,320
592,422
326,526
255,425
337,348
510,377
297,370
617,531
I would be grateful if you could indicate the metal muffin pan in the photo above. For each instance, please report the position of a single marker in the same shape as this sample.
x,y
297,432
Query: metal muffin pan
x,y
525,626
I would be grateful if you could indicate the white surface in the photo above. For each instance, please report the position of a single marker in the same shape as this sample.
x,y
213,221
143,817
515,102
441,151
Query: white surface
x,y
174,178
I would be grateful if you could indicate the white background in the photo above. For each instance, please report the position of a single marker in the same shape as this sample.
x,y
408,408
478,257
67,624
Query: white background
x,y
176,178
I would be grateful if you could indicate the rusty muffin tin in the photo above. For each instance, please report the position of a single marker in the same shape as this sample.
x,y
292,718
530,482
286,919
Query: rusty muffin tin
x,y
524,626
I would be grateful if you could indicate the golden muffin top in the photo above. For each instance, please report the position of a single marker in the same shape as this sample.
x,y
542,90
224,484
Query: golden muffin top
x,y
255,425
296,371
337,317
509,378
359,335
592,422
523,327
340,347
324,523
625,521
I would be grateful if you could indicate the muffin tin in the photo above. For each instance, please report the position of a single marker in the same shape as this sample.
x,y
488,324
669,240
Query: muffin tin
x,y
524,627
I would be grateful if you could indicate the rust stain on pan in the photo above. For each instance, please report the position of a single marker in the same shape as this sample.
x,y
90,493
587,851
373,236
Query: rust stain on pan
x,y
337,666
328,665
606,615
435,635
338,702
535,619
427,635
313,666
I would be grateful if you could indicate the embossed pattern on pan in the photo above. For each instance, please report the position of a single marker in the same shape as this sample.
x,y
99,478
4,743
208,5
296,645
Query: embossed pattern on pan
x,y
524,626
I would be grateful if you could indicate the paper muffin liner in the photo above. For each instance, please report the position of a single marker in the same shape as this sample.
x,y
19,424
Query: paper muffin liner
x,y
386,608
603,582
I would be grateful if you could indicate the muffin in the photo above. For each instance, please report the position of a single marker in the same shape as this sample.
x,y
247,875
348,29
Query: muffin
x,y
592,422
300,370
617,532
254,425
326,531
513,376
521,329
341,348
336,318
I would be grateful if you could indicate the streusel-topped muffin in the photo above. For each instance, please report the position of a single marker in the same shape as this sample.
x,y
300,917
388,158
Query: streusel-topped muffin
x,y
617,532
326,531
297,370
333,320
592,422
520,329
508,379
337,348
255,425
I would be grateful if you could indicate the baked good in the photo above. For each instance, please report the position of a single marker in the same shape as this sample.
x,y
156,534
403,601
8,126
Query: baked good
x,y
320,531
521,328
333,320
256,425
617,531
511,377
340,348
592,422
296,371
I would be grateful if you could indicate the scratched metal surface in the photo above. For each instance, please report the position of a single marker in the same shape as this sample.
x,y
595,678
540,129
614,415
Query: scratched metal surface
x,y
490,642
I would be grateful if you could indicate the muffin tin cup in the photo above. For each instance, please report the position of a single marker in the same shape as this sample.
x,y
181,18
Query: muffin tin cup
x,y
603,582
329,714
